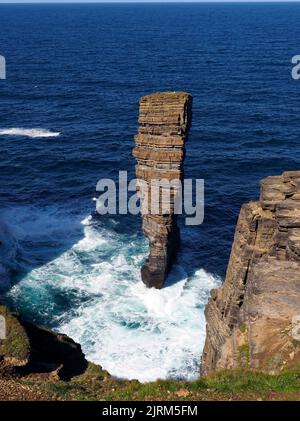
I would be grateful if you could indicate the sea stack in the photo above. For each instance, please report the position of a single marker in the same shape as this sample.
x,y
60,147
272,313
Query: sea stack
x,y
164,122
253,321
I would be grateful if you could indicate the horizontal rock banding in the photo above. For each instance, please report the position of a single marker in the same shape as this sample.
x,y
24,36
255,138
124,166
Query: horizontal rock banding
x,y
164,120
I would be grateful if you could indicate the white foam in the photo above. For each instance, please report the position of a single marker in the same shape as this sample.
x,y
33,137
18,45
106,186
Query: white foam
x,y
87,220
132,331
33,133
137,333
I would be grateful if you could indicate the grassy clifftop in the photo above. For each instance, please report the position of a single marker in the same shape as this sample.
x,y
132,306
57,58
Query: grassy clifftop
x,y
16,347
95,385
37,364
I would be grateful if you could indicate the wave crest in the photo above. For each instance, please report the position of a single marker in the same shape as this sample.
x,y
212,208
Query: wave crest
x,y
33,133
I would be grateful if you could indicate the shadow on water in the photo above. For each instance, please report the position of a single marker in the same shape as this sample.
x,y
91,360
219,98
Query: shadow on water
x,y
53,353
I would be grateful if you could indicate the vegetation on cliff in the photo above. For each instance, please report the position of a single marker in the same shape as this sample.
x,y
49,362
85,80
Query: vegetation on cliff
x,y
50,366
15,349
96,385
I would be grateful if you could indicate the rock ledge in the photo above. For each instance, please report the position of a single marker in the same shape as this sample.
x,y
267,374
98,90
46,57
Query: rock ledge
x,y
252,319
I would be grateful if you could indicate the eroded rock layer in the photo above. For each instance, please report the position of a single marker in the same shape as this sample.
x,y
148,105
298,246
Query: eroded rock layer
x,y
164,121
252,321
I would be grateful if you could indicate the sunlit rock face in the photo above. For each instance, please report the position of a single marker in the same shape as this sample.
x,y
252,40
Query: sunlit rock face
x,y
254,319
164,122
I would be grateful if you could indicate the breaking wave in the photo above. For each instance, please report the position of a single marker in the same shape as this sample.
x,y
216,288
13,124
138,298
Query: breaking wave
x,y
33,133
92,291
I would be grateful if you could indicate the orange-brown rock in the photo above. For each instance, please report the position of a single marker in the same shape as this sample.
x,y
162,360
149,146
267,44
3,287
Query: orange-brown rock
x,y
164,121
252,320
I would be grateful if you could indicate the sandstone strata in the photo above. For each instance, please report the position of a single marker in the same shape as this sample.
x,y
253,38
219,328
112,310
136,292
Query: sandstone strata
x,y
164,121
252,319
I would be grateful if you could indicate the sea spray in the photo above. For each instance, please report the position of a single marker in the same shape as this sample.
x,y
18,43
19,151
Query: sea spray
x,y
91,290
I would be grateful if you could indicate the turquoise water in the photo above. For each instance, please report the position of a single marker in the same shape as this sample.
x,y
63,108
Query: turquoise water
x,y
92,291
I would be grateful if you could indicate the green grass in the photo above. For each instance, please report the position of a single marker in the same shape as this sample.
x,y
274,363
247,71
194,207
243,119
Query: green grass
x,y
16,345
243,328
246,380
244,355
96,384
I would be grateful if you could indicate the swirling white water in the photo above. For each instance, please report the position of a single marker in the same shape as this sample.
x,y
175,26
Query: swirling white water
x,y
32,133
91,290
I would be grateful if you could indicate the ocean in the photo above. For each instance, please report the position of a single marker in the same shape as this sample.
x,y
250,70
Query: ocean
x,y
68,115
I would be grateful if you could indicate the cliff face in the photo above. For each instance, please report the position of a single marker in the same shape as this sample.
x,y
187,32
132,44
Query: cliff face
x,y
26,348
164,119
37,364
252,319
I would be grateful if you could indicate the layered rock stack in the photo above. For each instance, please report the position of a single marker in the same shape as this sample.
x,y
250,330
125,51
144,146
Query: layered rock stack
x,y
164,122
254,319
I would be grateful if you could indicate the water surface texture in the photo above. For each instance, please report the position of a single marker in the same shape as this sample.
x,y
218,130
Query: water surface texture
x,y
68,114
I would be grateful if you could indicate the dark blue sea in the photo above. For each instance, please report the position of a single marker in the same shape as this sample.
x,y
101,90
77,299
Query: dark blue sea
x,y
68,115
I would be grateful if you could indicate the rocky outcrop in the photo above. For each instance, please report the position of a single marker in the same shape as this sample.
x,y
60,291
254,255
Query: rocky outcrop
x,y
164,119
252,321
26,348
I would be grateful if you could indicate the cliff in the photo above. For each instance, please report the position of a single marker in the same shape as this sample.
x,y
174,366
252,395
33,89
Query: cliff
x,y
164,120
37,364
252,319
26,348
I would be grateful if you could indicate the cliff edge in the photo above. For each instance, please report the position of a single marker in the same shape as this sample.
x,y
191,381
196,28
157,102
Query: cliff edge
x,y
37,364
26,348
253,319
